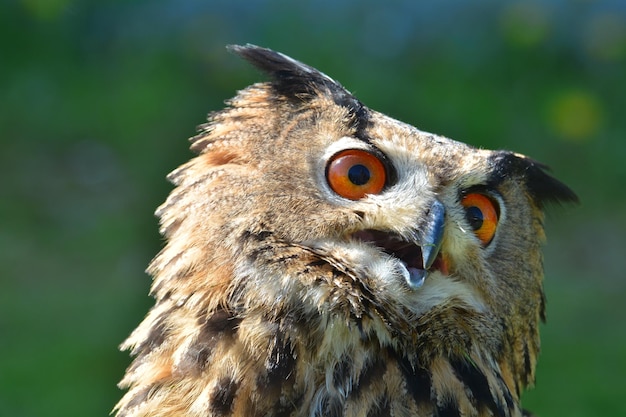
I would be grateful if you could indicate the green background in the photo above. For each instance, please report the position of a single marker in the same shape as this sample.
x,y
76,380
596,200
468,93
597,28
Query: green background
x,y
97,100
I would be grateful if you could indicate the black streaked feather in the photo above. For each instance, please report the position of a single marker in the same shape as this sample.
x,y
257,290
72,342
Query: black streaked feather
x,y
477,383
418,381
294,80
223,396
448,409
542,187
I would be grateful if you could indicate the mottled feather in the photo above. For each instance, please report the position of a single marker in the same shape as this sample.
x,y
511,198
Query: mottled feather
x,y
276,296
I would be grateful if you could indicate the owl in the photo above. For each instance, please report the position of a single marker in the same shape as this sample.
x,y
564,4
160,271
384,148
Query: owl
x,y
323,259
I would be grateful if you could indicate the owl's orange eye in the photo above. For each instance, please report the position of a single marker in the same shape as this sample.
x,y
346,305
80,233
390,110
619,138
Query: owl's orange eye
x,y
354,173
482,214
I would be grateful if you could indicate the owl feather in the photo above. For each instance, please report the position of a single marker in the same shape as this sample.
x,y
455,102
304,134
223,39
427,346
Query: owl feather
x,y
323,259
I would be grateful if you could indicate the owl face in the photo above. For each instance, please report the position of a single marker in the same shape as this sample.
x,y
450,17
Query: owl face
x,y
313,234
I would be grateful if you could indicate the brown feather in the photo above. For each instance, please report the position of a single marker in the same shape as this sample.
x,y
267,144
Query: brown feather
x,y
268,302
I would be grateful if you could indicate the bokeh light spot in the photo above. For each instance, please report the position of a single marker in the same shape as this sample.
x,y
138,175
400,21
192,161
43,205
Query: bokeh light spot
x,y
575,115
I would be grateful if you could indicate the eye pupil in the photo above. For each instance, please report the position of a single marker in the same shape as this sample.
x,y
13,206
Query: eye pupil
x,y
475,217
359,174
481,212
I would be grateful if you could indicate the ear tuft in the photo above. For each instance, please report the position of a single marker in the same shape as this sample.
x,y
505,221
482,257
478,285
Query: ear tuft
x,y
283,69
543,187
295,80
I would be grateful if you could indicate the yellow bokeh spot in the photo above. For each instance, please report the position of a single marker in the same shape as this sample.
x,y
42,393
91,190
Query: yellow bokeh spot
x,y
575,115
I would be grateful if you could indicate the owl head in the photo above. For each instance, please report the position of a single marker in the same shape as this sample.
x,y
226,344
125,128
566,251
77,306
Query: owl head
x,y
325,259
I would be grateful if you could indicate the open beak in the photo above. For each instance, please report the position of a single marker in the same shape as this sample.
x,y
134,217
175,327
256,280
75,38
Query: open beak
x,y
420,254
429,242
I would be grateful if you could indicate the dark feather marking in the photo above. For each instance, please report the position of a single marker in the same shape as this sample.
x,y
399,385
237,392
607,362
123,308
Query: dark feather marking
x,y
478,384
418,381
528,370
448,409
260,252
284,258
508,397
283,412
276,381
341,375
542,187
289,406
222,398
220,321
212,329
138,398
156,336
317,263
280,364
380,409
372,372
196,357
258,236
331,407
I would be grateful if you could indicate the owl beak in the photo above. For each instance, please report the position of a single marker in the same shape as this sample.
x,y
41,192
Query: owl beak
x,y
430,244
419,253
433,234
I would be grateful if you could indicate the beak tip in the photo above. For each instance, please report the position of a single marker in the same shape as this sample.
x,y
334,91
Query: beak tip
x,y
416,277
434,234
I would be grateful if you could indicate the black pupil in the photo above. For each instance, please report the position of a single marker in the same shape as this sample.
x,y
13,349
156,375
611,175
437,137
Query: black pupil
x,y
474,217
359,174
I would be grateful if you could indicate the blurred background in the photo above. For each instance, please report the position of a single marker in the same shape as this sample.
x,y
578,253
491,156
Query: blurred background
x,y
98,98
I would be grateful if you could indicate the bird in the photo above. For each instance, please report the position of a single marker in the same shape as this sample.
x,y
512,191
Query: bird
x,y
324,259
